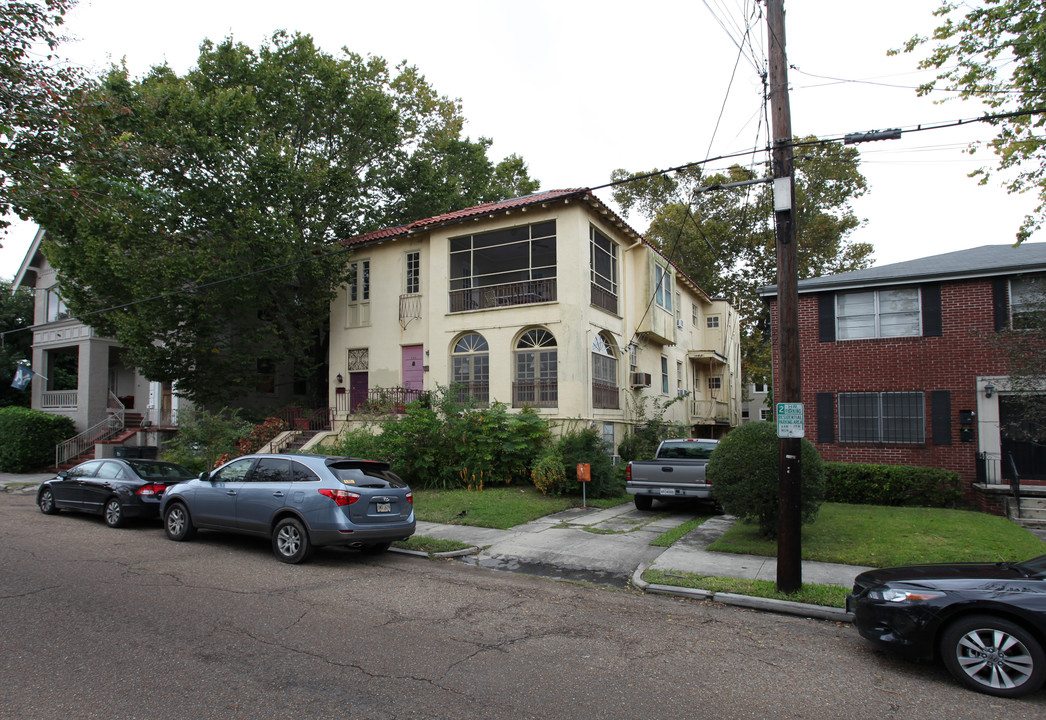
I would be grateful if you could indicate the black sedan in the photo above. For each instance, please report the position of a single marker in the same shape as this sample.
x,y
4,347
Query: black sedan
x,y
114,489
985,621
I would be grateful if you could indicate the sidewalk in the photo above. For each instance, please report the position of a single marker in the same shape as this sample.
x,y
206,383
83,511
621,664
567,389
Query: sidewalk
x,y
22,482
614,544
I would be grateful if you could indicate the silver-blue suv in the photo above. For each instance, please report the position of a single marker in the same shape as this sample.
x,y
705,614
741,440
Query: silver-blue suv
x,y
299,501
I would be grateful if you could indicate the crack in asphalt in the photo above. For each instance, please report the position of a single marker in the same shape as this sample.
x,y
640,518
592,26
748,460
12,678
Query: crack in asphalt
x,y
29,593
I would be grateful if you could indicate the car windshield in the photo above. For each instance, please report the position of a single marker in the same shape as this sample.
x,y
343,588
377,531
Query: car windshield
x,y
692,450
366,474
1036,567
154,470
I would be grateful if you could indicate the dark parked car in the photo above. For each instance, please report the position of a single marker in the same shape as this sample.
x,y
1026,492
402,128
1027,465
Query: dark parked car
x,y
113,488
298,501
985,621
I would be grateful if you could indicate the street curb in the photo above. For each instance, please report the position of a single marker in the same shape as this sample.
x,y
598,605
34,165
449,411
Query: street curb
x,y
448,554
785,607
22,488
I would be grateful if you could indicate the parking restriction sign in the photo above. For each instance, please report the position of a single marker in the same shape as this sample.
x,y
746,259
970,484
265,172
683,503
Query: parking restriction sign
x,y
790,421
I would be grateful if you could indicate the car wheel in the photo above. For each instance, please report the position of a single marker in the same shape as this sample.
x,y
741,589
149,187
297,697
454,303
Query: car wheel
x,y
113,513
376,548
45,501
993,656
177,523
643,502
290,541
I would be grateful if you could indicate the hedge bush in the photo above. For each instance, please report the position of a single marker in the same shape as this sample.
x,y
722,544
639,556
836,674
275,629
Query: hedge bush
x,y
28,438
872,484
570,449
743,472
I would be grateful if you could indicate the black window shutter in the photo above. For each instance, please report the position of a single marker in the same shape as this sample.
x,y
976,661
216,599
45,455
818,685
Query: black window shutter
x,y
825,417
931,300
941,416
826,317
1000,303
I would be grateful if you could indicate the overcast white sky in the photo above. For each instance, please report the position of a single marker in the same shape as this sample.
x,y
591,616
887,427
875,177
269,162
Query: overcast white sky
x,y
581,88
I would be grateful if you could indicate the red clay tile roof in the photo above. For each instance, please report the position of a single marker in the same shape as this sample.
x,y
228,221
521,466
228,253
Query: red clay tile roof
x,y
490,209
486,209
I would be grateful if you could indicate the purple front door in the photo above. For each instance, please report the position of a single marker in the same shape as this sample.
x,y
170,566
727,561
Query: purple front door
x,y
413,367
357,390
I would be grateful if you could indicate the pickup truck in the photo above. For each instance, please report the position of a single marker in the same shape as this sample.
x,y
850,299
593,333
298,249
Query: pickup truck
x,y
677,471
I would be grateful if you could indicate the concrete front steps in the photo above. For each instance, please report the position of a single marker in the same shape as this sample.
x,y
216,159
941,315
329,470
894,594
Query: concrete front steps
x,y
1032,510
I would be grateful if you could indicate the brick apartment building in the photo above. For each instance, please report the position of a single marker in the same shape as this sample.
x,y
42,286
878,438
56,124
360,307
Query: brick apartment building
x,y
898,364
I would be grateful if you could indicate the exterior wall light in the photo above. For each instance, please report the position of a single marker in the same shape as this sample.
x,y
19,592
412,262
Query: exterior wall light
x,y
989,390
340,380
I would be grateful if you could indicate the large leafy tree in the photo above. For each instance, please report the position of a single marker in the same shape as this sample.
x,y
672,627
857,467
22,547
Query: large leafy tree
x,y
202,184
16,317
723,238
994,51
37,95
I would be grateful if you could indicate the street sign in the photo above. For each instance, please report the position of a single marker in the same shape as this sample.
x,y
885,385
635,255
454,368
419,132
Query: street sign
x,y
790,421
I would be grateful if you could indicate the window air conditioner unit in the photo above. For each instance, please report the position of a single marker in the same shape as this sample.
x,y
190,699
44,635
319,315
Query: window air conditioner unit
x,y
680,324
640,379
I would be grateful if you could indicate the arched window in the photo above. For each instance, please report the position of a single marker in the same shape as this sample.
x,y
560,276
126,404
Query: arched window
x,y
470,368
604,374
536,370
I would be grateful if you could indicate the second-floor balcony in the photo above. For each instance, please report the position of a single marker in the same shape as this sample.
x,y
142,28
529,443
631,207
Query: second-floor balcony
x,y
526,292
710,411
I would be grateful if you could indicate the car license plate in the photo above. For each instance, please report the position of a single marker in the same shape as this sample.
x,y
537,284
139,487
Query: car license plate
x,y
668,491
384,507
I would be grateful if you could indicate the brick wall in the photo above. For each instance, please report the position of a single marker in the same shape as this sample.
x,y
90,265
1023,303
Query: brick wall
x,y
951,362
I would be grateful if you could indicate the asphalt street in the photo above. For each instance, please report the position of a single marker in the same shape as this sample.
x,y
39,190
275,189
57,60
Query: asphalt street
x,y
104,623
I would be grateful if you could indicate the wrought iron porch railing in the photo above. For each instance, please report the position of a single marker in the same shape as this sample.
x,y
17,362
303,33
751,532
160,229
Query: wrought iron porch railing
x,y
537,393
78,444
507,295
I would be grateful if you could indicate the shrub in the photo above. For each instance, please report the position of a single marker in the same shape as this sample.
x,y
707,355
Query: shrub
x,y
255,439
743,471
28,438
897,485
438,443
549,476
205,437
650,428
587,446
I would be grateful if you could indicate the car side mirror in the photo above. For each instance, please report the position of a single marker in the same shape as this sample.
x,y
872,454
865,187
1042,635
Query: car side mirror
x,y
63,474
205,476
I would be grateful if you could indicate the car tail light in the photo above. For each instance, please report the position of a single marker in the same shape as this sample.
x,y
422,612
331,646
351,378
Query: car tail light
x,y
410,497
151,490
340,497
628,472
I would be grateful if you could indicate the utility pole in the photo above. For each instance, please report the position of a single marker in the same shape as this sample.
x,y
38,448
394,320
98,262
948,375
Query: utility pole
x,y
787,383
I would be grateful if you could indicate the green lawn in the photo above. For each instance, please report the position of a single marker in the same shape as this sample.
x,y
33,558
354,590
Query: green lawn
x,y
868,535
880,536
500,507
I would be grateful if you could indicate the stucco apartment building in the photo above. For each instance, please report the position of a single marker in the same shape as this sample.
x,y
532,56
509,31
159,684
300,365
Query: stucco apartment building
x,y
898,364
549,301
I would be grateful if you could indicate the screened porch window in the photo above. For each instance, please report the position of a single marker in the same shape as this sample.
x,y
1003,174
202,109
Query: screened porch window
x,y
603,261
514,266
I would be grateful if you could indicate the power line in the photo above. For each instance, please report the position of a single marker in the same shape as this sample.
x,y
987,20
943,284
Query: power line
x,y
614,183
